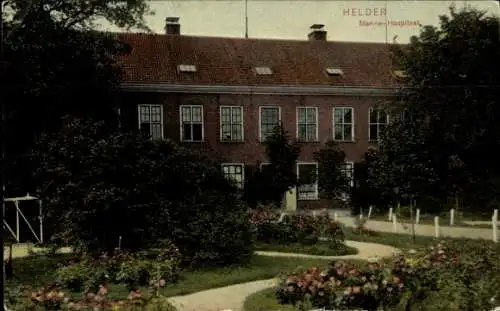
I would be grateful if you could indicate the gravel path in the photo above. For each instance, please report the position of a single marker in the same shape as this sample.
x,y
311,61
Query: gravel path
x,y
422,229
232,297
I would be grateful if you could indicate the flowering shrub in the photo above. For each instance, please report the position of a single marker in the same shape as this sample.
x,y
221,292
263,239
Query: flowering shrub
x,y
304,229
52,298
342,285
133,270
445,276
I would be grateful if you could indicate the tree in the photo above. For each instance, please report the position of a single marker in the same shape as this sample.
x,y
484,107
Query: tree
x,y
61,67
99,186
333,182
271,181
451,95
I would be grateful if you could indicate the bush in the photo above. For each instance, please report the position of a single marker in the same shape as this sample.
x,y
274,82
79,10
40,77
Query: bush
x,y
303,229
53,299
158,190
452,276
133,270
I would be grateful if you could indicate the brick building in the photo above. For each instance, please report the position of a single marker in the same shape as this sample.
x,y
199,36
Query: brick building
x,y
226,94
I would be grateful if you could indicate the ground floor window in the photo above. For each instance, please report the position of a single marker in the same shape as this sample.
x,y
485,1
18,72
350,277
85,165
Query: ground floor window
x,y
307,174
234,172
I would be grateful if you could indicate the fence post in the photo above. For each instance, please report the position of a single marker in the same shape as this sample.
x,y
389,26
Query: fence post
x,y
436,226
394,223
417,217
390,214
370,210
335,216
495,214
452,217
495,229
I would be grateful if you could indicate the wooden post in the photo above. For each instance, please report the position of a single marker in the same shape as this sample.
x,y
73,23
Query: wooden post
x,y
335,216
436,227
40,218
452,217
417,217
370,210
495,215
390,214
495,229
16,203
394,223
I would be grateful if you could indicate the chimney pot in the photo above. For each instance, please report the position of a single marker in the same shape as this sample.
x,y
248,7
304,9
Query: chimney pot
x,y
172,26
318,33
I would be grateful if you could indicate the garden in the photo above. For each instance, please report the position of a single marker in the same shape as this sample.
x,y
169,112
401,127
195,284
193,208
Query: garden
x,y
142,280
446,275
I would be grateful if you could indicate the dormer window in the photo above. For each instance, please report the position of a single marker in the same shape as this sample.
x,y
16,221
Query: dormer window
x,y
399,73
336,72
186,68
263,71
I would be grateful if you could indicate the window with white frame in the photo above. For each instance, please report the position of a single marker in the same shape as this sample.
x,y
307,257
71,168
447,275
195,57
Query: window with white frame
x,y
270,117
151,120
343,123
378,119
231,123
348,170
192,123
235,172
307,124
307,174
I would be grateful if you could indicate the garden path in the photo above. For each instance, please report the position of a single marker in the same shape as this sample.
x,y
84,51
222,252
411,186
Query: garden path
x,y
423,230
232,297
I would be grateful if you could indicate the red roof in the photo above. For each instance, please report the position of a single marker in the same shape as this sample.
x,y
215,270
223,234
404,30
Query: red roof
x,y
231,61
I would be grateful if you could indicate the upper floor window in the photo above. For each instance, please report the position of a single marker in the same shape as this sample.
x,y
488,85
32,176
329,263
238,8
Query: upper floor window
x,y
231,123
235,172
307,173
307,124
192,123
378,120
343,123
270,117
150,119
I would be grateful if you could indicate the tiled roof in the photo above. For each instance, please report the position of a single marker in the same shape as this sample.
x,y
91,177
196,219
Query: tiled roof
x,y
231,61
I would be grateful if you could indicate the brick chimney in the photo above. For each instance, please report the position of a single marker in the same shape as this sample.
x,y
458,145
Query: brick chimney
x,y
318,33
172,26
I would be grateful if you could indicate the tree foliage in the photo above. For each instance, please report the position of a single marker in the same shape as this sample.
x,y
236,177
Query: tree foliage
x,y
446,147
59,66
332,179
270,182
98,187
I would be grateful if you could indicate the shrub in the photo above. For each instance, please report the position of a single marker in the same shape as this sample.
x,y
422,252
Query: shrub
x,y
447,276
53,299
133,270
158,190
303,229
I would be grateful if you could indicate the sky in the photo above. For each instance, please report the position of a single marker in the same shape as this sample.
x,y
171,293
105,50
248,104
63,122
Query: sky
x,y
343,20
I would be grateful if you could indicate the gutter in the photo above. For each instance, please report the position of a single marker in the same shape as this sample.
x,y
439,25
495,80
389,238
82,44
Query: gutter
x,y
259,90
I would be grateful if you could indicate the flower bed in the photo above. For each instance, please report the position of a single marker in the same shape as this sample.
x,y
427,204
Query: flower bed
x,y
295,229
442,277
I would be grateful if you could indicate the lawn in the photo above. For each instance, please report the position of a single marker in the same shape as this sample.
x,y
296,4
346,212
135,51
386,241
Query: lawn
x,y
35,271
398,240
265,300
319,249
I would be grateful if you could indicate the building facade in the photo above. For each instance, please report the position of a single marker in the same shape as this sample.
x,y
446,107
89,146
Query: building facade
x,y
227,94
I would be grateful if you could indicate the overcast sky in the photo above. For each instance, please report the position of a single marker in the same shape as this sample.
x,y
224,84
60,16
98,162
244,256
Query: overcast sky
x,y
292,19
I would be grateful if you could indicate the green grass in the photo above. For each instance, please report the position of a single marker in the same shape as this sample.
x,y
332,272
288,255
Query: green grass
x,y
265,300
319,249
400,240
35,271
